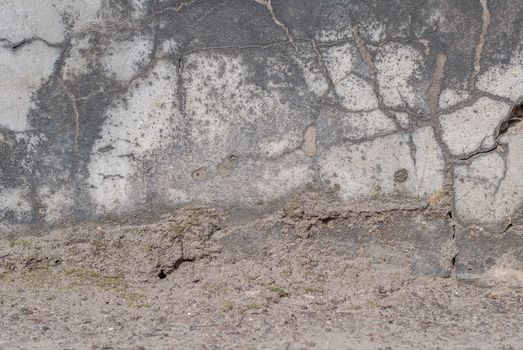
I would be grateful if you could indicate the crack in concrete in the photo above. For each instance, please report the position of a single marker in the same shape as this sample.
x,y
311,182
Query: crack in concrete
x,y
176,8
27,41
479,152
369,61
183,4
514,117
479,47
236,47
268,5
76,113
319,57
207,13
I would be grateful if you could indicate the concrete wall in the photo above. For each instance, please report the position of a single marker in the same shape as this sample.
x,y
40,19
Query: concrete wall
x,y
111,107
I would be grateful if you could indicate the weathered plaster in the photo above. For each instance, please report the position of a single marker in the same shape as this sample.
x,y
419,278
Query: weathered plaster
x,y
118,107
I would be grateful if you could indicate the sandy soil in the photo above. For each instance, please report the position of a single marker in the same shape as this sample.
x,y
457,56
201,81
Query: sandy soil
x,y
197,279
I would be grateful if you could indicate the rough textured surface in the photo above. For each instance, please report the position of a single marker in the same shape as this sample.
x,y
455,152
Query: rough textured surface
x,y
293,279
117,108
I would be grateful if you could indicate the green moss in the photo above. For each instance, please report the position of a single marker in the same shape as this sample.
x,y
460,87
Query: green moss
x,y
354,307
312,290
97,245
23,243
180,229
280,291
115,284
252,306
227,306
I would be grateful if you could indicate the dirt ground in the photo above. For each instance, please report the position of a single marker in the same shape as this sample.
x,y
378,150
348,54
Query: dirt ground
x,y
203,279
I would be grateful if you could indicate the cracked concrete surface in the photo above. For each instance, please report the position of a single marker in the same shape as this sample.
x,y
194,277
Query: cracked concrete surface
x,y
127,107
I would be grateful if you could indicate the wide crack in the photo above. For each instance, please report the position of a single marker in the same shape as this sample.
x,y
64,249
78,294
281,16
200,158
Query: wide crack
x,y
515,117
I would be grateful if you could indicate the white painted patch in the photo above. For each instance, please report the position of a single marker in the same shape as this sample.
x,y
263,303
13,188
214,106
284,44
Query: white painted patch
x,y
473,128
230,115
397,65
224,108
43,18
22,75
133,129
504,80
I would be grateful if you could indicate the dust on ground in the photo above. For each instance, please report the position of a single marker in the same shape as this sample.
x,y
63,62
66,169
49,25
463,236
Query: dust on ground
x,y
200,278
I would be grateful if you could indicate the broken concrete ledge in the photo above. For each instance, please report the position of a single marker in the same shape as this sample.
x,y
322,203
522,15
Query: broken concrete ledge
x,y
134,107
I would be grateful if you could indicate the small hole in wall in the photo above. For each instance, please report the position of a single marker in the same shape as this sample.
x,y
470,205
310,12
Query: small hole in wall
x,y
401,175
200,174
161,275
449,215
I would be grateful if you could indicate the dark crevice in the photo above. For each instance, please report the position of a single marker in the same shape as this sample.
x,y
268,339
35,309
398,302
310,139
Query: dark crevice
x,y
516,116
164,273
180,261
488,150
18,44
450,217
507,228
